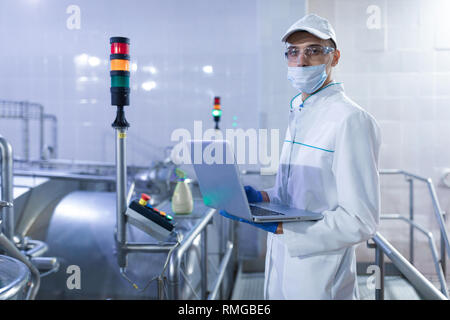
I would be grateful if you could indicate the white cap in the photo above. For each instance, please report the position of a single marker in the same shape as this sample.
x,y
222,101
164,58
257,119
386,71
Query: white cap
x,y
312,23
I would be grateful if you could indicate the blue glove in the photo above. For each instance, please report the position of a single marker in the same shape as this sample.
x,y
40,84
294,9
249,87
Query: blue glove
x,y
253,195
269,226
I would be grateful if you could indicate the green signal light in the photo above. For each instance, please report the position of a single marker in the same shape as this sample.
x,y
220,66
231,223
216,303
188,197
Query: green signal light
x,y
216,113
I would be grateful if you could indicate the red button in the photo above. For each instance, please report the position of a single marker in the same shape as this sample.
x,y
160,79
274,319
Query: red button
x,y
145,197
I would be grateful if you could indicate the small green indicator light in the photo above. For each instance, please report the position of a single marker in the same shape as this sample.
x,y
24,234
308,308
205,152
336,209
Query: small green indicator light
x,y
216,113
234,124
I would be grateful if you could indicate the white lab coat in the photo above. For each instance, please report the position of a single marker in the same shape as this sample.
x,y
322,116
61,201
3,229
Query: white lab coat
x,y
328,164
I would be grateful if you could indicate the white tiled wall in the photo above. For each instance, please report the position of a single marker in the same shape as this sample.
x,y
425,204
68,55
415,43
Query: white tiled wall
x,y
171,42
400,73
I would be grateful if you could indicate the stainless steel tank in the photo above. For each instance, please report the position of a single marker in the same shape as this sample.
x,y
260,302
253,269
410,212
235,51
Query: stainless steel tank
x,y
81,234
14,276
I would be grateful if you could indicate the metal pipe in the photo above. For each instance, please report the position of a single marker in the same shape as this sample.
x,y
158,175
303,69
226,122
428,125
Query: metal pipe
x,y
405,173
54,120
121,195
45,263
37,249
25,130
147,247
379,261
12,251
222,269
41,133
7,187
411,217
204,264
61,175
419,282
97,165
443,253
175,259
437,266
439,214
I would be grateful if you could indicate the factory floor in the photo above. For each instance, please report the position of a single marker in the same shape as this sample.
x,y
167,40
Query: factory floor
x,y
249,285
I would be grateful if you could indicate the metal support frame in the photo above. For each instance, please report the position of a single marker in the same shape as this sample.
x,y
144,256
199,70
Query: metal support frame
x,y
121,196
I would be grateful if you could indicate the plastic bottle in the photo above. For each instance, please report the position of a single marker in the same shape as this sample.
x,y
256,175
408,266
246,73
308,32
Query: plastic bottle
x,y
182,202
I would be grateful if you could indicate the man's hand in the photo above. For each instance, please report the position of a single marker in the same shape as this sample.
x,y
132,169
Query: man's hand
x,y
265,196
256,196
279,228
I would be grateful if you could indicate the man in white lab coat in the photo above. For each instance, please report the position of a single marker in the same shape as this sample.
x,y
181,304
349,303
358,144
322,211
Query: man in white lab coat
x,y
329,164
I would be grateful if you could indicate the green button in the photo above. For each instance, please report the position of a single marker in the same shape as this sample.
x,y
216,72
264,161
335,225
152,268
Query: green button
x,y
120,81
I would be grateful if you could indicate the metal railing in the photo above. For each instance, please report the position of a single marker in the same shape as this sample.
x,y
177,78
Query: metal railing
x,y
383,247
432,245
425,288
176,258
439,214
26,111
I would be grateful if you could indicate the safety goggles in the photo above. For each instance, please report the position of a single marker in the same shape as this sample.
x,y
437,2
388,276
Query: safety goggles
x,y
313,52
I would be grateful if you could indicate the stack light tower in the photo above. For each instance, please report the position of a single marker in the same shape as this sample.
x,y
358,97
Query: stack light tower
x,y
120,97
217,112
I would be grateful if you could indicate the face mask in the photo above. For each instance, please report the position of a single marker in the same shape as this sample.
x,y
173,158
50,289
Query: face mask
x,y
307,79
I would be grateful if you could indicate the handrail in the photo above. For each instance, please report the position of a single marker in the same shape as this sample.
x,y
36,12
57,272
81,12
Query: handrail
x,y
419,282
434,253
26,111
222,269
436,206
176,257
439,214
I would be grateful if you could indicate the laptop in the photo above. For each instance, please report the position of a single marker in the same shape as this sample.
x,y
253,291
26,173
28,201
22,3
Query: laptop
x,y
219,181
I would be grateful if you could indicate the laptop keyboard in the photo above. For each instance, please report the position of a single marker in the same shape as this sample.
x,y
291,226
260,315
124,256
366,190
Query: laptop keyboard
x,y
256,211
